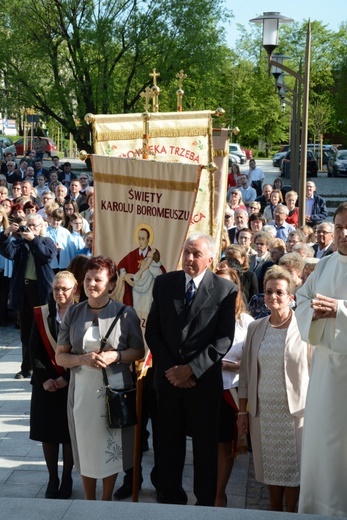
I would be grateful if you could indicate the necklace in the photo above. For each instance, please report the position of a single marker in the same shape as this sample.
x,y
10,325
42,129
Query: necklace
x,y
283,322
98,308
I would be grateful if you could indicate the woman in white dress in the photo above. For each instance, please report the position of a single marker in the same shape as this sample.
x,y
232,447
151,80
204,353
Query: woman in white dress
x,y
273,382
99,452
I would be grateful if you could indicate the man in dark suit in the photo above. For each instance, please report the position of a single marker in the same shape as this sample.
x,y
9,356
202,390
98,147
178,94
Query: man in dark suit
x,y
75,187
12,174
316,210
262,242
189,329
325,240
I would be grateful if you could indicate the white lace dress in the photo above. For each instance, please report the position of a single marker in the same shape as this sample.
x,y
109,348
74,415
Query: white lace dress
x,y
99,447
278,428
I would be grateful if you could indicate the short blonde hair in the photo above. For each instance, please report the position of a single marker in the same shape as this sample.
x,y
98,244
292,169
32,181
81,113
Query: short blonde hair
x,y
291,193
279,273
65,274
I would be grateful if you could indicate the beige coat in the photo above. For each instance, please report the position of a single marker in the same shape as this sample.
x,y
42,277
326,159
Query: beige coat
x,y
296,366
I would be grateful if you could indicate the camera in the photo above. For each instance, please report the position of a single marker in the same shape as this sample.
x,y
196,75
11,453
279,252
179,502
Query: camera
x,y
23,229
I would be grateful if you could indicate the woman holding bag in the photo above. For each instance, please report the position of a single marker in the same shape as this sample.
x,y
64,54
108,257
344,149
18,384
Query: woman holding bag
x,y
99,452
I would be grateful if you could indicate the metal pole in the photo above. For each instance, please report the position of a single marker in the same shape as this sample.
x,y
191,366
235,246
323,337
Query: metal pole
x,y
304,134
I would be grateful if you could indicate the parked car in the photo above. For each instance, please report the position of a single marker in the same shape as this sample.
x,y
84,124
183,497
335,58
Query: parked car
x,y
312,165
6,145
51,148
235,149
328,151
279,156
337,164
234,159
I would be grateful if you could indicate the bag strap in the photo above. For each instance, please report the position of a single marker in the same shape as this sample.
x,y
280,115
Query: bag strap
x,y
103,340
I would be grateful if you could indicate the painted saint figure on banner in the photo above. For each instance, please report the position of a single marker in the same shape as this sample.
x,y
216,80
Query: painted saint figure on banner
x,y
138,270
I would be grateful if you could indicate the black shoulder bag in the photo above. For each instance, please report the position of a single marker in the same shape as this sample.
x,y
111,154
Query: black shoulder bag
x,y
120,404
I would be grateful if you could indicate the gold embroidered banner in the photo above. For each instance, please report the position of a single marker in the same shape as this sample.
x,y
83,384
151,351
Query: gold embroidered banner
x,y
143,210
173,136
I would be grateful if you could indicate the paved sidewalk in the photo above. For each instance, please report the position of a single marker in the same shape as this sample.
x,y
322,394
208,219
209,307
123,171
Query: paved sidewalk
x,y
22,468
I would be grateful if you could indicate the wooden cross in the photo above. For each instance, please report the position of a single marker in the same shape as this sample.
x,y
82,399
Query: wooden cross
x,y
181,76
148,94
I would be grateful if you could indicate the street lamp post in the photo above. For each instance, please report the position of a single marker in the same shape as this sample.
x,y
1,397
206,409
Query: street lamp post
x,y
270,42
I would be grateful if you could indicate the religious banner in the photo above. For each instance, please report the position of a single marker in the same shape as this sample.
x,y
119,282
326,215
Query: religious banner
x,y
143,210
173,136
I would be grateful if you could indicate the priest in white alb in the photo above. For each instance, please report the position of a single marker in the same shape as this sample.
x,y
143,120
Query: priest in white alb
x,y
322,320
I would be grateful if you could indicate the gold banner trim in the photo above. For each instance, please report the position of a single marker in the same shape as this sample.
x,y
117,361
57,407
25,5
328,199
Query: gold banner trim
x,y
153,133
145,183
220,153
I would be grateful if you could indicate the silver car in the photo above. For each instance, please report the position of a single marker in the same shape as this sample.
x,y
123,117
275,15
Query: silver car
x,y
6,145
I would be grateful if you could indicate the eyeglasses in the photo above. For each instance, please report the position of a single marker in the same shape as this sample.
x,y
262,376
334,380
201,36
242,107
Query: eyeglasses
x,y
227,216
320,232
83,178
62,289
77,223
268,292
33,225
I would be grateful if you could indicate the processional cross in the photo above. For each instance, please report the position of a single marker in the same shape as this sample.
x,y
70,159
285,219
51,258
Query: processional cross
x,y
181,76
155,89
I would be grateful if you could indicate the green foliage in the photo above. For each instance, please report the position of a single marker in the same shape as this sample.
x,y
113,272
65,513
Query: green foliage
x,y
80,56
65,58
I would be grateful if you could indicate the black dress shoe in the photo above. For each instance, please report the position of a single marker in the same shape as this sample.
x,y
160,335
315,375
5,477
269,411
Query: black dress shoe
x,y
52,490
125,491
23,374
179,498
65,490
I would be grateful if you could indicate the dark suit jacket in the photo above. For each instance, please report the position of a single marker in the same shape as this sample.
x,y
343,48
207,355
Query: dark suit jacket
x,y
319,210
199,337
252,261
43,369
328,252
43,250
14,177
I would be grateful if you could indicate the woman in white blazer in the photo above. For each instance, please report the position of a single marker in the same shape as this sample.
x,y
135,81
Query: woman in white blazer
x,y
273,383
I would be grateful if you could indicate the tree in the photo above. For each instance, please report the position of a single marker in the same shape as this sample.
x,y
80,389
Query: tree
x,y
72,57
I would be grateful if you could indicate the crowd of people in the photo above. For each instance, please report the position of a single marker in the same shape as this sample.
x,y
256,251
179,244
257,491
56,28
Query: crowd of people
x,y
52,211
237,347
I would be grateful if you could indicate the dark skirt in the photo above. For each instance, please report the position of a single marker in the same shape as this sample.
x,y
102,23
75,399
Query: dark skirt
x,y
48,415
227,421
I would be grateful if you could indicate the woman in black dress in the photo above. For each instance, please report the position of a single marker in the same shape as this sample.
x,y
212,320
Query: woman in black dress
x,y
48,415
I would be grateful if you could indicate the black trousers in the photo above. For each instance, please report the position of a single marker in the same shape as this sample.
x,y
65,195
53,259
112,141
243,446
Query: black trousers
x,y
194,411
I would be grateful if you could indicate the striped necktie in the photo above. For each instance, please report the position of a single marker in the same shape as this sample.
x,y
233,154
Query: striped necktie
x,y
190,292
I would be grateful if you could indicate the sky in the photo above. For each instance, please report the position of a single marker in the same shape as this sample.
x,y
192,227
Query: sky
x,y
331,13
